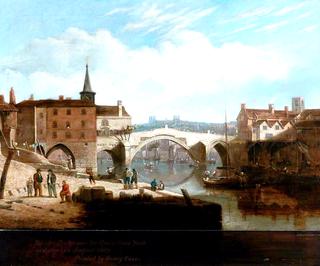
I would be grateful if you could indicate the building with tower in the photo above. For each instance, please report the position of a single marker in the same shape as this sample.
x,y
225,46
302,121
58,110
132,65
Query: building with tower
x,y
65,130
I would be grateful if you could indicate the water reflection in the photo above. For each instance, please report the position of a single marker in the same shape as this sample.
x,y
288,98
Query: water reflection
x,y
293,207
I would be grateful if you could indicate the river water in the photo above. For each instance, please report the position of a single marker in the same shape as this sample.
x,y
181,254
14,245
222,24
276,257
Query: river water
x,y
273,208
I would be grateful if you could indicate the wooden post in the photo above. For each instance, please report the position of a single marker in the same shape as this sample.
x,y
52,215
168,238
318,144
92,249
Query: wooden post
x,y
186,196
4,172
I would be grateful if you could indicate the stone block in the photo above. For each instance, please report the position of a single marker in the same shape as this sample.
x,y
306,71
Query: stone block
x,y
98,193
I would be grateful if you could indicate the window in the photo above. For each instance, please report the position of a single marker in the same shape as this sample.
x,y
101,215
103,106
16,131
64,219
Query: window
x,y
68,111
68,124
68,135
41,115
82,135
277,127
54,124
55,111
83,111
264,127
83,123
54,135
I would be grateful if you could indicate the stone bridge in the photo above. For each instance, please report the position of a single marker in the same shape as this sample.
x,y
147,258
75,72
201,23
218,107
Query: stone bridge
x,y
197,145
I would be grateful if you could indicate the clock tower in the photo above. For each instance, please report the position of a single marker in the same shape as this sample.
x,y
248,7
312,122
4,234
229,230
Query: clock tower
x,y
87,94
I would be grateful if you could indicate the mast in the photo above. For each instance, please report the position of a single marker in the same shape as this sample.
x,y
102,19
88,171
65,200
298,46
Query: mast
x,y
226,138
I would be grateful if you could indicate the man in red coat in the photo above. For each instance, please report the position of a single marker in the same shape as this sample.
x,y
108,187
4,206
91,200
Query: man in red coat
x,y
65,193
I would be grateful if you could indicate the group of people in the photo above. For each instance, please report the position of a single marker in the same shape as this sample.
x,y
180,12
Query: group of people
x,y
130,178
155,186
35,184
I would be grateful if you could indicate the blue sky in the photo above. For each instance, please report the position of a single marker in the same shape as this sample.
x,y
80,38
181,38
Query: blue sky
x,y
189,58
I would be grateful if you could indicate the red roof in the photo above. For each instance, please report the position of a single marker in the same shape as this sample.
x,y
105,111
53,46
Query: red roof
x,y
56,103
266,114
104,110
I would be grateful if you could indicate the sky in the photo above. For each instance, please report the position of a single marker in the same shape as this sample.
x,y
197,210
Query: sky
x,y
195,59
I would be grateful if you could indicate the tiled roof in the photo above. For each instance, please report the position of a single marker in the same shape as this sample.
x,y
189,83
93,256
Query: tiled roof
x,y
315,113
266,114
56,103
110,111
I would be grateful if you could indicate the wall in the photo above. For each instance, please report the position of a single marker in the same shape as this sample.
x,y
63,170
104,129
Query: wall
x,y
25,126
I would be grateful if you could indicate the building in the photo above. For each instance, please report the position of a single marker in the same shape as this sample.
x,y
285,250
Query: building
x,y
262,124
112,119
64,124
297,104
65,130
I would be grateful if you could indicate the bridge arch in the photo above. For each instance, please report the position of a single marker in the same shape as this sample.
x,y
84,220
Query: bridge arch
x,y
65,149
222,148
163,137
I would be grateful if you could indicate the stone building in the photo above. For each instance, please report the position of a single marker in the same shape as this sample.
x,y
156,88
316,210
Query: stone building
x,y
262,124
65,130
64,124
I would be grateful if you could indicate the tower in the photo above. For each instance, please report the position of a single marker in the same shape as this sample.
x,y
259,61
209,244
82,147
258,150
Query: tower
x,y
87,93
297,104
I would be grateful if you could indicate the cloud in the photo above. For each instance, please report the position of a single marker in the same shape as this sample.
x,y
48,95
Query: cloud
x,y
119,10
162,81
273,26
310,28
289,9
152,18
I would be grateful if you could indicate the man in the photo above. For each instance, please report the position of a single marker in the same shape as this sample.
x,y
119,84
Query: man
x,y
134,178
161,186
128,177
37,183
91,178
29,186
65,193
153,185
51,182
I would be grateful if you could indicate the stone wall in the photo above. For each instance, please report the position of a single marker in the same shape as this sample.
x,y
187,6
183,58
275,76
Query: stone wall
x,y
26,125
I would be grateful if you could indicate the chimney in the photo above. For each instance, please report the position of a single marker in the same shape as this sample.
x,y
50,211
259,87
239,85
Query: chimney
x,y
243,106
271,108
1,99
12,97
61,97
286,110
119,108
31,98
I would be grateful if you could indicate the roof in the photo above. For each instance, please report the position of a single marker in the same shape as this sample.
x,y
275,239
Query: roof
x,y
271,123
104,110
266,114
87,84
314,113
7,107
55,103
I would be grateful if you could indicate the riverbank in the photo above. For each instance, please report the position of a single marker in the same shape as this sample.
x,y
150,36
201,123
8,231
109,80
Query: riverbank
x,y
20,211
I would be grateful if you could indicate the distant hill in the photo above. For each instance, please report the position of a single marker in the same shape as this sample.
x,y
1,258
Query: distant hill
x,y
203,127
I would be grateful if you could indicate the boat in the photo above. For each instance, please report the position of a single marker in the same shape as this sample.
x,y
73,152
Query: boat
x,y
224,176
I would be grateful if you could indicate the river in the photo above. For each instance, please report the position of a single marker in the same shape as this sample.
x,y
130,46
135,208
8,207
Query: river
x,y
276,208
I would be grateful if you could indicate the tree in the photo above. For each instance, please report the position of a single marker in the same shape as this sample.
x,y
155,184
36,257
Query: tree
x,y
5,171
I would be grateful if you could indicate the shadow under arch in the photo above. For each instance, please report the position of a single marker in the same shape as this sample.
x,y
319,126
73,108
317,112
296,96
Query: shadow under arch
x,y
222,148
164,137
117,154
65,149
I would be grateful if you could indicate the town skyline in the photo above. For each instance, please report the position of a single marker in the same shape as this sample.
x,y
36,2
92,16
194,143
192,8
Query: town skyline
x,y
188,58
